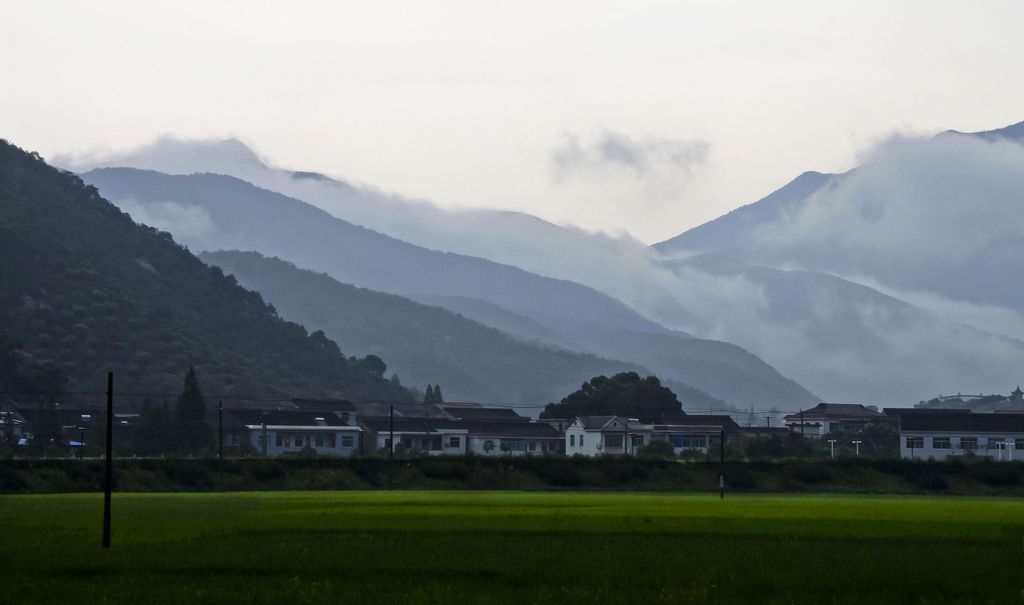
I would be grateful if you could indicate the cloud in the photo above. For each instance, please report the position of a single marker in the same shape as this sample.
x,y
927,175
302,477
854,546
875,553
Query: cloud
x,y
662,163
183,221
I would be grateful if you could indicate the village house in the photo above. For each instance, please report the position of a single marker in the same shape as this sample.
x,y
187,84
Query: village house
x,y
515,438
826,418
280,432
597,435
936,434
415,435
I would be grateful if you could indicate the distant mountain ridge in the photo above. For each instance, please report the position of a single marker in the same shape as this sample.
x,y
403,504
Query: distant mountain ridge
x,y
218,212
425,344
88,289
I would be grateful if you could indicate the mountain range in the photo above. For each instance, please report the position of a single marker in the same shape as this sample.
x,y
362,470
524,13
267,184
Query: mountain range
x,y
889,283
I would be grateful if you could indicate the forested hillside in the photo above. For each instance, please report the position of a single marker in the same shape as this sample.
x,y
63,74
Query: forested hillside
x,y
424,344
89,290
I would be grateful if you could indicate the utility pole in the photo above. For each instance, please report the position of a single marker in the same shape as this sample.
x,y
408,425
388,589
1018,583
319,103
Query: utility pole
x,y
769,420
391,447
832,445
220,440
856,444
108,481
264,436
721,465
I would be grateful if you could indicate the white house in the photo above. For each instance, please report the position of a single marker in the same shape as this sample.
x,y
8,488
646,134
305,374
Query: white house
x,y
826,418
516,438
277,432
431,436
597,435
941,434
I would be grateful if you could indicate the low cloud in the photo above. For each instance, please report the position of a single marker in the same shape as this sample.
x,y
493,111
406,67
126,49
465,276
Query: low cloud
x,y
185,222
662,164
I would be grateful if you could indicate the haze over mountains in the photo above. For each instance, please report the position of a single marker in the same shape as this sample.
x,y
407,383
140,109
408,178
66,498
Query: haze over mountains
x,y
223,212
886,284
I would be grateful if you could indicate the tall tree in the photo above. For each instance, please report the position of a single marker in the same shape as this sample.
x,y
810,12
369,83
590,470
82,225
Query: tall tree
x,y
625,394
438,397
193,430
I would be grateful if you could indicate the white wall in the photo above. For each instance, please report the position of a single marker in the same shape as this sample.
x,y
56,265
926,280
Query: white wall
x,y
929,451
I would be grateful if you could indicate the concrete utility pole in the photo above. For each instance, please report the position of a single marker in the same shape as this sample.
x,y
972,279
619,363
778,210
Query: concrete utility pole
x,y
832,445
108,481
856,444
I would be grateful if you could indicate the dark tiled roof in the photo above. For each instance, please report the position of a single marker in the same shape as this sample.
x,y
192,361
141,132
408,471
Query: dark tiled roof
x,y
594,423
252,417
382,424
409,410
535,430
963,423
905,411
723,421
324,405
465,412
837,410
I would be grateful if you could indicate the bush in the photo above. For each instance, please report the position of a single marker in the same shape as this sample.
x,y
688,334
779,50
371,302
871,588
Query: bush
x,y
657,448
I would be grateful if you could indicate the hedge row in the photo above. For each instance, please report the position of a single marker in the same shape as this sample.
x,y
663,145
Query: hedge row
x,y
533,473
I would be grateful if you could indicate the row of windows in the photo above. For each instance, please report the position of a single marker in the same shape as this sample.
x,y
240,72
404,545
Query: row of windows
x,y
678,441
316,440
431,443
965,443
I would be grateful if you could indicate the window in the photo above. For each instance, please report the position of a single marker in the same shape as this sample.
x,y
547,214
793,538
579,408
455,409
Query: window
x,y
637,440
347,441
488,446
572,440
915,442
533,446
387,443
454,442
1019,444
319,440
298,441
613,440
677,441
833,426
581,440
968,443
331,440
694,441
344,417
406,442
996,443
941,443
278,440
435,442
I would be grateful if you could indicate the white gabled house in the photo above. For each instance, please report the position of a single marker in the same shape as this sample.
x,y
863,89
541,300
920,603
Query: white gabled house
x,y
281,432
597,435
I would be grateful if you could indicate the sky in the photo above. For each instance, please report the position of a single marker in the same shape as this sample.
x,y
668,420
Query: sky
x,y
640,117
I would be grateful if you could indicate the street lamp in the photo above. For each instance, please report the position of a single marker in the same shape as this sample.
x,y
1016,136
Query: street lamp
x,y
832,446
856,444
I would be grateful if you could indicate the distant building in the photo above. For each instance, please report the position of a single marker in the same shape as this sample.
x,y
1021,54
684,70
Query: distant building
x,y
940,434
415,435
279,432
826,418
515,438
597,435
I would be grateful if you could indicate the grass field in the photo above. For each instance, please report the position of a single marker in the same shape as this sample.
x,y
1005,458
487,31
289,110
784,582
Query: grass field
x,y
470,547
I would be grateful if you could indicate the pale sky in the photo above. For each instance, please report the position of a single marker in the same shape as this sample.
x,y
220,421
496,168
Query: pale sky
x,y
644,117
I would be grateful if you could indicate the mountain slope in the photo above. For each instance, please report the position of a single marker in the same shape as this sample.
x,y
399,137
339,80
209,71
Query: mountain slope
x,y
214,212
88,289
423,344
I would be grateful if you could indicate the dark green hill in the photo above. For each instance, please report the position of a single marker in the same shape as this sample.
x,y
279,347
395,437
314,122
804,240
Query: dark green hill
x,y
424,344
89,290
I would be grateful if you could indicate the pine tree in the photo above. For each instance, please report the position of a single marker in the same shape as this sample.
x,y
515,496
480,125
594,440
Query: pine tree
x,y
428,397
437,394
193,431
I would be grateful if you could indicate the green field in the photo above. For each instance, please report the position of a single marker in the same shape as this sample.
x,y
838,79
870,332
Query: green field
x,y
470,547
